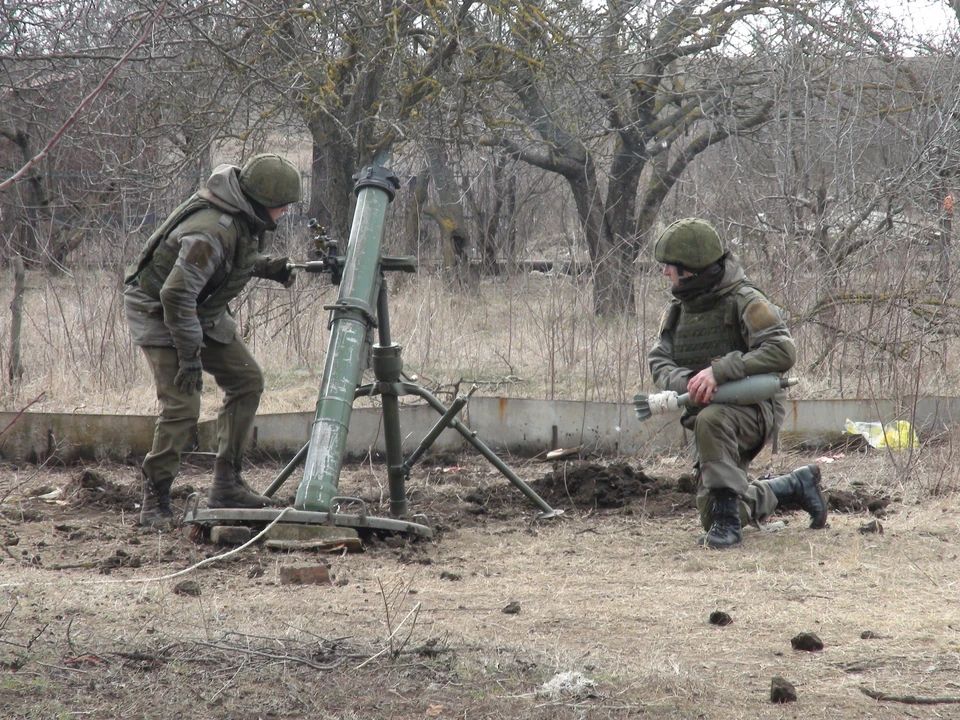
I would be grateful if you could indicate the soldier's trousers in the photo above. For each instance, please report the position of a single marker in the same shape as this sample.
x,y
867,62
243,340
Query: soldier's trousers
x,y
240,377
727,438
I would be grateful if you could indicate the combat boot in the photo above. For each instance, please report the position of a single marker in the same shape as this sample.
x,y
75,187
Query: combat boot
x,y
230,490
800,489
155,510
725,531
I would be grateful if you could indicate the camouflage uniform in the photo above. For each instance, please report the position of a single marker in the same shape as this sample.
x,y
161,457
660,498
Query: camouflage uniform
x,y
176,304
722,322
728,437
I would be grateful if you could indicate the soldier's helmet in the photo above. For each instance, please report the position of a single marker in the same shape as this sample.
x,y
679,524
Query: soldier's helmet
x,y
691,243
271,180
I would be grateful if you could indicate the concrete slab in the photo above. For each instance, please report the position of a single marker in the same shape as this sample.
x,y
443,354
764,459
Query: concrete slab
x,y
72,437
507,425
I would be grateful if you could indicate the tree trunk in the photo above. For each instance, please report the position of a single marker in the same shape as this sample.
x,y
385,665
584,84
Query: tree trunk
x,y
508,234
448,214
27,239
491,242
610,257
15,371
417,186
331,187
946,232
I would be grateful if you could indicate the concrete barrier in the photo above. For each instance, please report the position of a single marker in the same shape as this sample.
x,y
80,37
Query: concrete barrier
x,y
515,426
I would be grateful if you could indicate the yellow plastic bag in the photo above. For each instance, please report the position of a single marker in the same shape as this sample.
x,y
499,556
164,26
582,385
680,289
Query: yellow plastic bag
x,y
897,435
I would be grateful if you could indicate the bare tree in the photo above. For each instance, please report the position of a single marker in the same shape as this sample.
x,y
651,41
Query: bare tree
x,y
351,73
619,101
89,143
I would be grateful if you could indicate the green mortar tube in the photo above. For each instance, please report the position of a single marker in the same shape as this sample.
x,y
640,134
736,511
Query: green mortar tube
x,y
353,319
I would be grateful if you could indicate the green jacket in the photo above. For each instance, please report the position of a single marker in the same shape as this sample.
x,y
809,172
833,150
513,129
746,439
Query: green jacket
x,y
737,331
179,289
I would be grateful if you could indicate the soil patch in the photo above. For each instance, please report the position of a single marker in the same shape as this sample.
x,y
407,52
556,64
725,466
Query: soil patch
x,y
100,617
617,486
90,487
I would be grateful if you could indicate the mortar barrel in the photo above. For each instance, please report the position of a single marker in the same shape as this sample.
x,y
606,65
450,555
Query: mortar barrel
x,y
351,336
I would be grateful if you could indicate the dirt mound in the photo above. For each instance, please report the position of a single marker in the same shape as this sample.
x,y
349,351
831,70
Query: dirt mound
x,y
90,487
581,487
592,485
858,500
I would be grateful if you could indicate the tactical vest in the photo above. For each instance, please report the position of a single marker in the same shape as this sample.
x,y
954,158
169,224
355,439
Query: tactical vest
x,y
158,257
708,327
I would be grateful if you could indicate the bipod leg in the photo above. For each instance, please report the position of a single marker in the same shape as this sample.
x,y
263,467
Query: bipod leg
x,y
387,366
443,423
286,472
471,437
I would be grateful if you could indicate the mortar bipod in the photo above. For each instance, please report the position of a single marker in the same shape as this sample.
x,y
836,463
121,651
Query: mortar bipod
x,y
388,371
399,472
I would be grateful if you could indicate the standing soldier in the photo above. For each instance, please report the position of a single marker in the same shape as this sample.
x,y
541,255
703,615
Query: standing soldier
x,y
176,304
721,328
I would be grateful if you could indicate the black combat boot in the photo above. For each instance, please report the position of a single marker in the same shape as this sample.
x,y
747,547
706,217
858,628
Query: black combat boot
x,y
725,531
155,510
801,490
229,490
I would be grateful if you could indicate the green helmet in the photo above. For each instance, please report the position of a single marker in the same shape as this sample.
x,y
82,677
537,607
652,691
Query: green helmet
x,y
691,242
270,180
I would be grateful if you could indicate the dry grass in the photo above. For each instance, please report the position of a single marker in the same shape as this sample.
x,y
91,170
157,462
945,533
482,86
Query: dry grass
x,y
618,596
528,335
622,597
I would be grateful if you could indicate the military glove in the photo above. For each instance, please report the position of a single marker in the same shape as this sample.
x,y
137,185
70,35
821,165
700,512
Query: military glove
x,y
277,270
189,378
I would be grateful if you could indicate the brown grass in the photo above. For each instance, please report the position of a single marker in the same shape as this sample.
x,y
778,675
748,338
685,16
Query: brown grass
x,y
529,335
619,596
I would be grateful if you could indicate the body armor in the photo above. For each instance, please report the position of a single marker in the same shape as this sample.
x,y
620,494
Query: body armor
x,y
707,328
159,256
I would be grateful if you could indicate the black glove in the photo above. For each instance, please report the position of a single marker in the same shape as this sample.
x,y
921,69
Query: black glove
x,y
189,379
277,270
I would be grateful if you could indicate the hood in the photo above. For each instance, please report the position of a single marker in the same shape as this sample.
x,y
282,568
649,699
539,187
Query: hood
x,y
223,190
733,274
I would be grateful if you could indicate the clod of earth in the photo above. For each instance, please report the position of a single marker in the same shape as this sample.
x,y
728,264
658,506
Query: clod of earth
x,y
806,641
719,617
687,483
511,608
782,690
860,500
121,558
187,587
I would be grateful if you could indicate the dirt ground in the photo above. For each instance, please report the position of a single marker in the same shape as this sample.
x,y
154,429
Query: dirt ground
x,y
610,611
